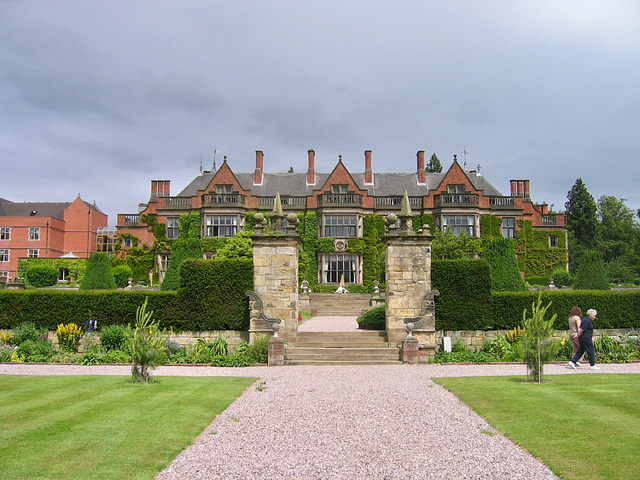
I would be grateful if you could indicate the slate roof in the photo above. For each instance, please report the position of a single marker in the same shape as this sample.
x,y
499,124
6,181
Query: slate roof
x,y
42,209
294,184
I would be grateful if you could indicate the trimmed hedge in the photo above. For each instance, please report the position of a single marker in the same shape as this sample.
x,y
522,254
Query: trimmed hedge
x,y
617,309
464,302
99,275
42,276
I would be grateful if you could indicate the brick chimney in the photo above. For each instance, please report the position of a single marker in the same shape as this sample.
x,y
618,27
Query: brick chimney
x,y
520,188
422,174
368,173
257,178
160,188
311,171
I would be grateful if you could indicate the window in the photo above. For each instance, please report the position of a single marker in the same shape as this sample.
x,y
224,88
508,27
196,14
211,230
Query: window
x,y
458,224
126,242
4,254
509,227
335,266
5,233
456,189
553,241
224,188
172,227
33,253
34,233
221,225
339,188
106,239
340,226
5,275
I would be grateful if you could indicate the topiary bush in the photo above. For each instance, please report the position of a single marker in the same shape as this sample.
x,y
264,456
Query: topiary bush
x,y
374,319
99,275
505,273
182,250
560,278
41,276
591,274
121,275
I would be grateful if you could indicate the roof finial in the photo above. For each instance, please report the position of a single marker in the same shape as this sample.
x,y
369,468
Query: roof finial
x,y
340,158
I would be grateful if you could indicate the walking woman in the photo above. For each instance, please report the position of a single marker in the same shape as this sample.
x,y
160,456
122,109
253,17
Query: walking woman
x,y
585,335
574,326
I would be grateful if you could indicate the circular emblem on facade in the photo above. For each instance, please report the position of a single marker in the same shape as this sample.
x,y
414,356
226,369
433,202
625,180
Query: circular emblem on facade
x,y
340,245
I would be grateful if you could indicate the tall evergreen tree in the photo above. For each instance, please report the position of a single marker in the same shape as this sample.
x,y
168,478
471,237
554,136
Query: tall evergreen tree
x,y
591,273
434,165
580,214
99,275
505,274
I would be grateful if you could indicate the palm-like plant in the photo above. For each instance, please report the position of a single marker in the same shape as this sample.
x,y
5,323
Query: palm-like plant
x,y
537,336
146,342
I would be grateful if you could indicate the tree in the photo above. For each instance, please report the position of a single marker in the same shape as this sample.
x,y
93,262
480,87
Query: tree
x,y
580,214
239,246
538,333
449,246
615,237
99,275
147,345
591,273
505,274
434,165
182,249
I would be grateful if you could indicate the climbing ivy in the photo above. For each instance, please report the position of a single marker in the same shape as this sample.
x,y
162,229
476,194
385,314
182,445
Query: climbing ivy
x,y
535,256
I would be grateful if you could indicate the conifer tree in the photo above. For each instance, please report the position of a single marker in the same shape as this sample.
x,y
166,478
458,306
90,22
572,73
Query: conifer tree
x,y
505,274
591,273
99,275
434,165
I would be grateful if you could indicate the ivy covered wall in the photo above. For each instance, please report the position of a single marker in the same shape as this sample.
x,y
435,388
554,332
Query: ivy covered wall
x,y
535,256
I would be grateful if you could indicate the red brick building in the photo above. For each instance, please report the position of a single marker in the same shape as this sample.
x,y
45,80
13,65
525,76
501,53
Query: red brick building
x,y
46,230
457,199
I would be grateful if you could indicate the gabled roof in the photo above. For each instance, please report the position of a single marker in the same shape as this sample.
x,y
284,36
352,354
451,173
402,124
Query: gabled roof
x,y
41,209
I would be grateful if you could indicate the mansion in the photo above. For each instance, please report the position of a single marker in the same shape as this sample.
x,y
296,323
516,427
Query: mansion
x,y
456,199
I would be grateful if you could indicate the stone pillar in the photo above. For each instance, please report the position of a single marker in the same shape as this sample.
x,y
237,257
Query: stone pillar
x,y
275,351
410,350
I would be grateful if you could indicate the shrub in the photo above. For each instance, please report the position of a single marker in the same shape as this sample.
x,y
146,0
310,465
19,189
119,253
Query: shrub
x,y
182,250
35,351
258,350
538,331
27,331
113,337
205,351
5,337
99,275
591,274
69,336
505,273
561,278
7,353
374,319
121,275
146,343
41,276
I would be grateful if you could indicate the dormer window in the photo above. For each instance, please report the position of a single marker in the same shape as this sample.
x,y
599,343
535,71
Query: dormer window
x,y
224,188
339,188
456,189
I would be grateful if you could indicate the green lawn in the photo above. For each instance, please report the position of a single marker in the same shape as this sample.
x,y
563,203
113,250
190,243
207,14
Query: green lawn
x,y
581,426
100,427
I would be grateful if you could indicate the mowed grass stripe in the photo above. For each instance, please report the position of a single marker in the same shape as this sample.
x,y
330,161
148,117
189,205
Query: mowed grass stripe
x,y
581,426
103,427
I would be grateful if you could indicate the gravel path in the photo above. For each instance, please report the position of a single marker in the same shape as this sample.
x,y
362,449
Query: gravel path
x,y
345,422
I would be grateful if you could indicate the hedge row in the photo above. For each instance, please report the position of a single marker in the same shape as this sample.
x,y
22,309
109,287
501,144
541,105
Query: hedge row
x,y
617,309
212,298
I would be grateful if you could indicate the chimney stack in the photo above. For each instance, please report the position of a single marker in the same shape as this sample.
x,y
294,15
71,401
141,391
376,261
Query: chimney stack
x,y
368,173
257,179
160,188
422,174
311,171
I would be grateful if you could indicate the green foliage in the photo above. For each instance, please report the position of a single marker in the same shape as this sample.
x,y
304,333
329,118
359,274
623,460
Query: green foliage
x,y
490,227
580,214
75,266
258,350
27,331
308,256
372,250
158,229
69,336
537,335
617,230
561,278
189,226
464,302
505,274
610,350
238,246
619,272
35,351
99,275
113,337
591,274
141,261
374,319
205,351
182,250
434,165
146,344
212,294
535,256
449,246
41,276
121,275
462,354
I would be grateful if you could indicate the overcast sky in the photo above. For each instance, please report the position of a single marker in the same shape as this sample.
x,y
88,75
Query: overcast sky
x,y
100,97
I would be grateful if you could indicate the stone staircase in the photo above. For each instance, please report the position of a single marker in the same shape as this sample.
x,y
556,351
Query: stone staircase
x,y
365,347
339,304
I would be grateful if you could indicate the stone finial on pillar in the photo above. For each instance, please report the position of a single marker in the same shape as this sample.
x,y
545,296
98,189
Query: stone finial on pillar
x,y
261,222
406,215
277,216
390,223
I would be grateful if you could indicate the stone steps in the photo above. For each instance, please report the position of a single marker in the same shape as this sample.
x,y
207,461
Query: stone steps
x,y
339,304
341,348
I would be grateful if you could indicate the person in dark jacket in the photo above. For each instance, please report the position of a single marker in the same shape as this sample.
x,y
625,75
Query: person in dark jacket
x,y
585,336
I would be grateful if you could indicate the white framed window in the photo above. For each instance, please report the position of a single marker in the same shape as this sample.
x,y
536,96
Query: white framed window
x,y
456,189
458,224
335,266
126,242
554,241
34,233
224,189
4,254
33,253
173,230
221,225
4,274
5,233
339,189
340,226
509,227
